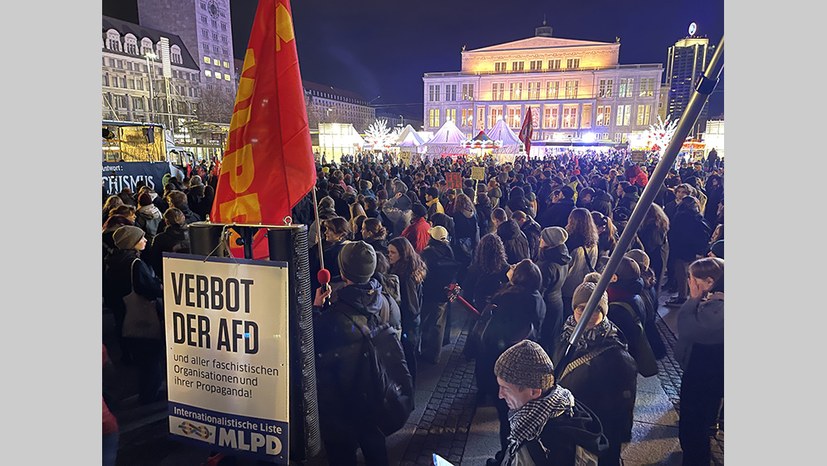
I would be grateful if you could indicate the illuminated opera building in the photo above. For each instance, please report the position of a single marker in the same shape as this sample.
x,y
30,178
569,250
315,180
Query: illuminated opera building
x,y
578,92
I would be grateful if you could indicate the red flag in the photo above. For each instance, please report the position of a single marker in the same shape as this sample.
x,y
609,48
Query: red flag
x,y
526,130
268,165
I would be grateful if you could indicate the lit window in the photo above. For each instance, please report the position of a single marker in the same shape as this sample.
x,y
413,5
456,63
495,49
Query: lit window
x,y
216,62
206,59
227,64
226,77
217,75
207,73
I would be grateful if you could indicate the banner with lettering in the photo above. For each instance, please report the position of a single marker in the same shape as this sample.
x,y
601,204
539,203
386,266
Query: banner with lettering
x,y
227,350
117,175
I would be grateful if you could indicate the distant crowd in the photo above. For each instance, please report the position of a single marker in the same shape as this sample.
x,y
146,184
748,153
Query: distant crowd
x,y
524,246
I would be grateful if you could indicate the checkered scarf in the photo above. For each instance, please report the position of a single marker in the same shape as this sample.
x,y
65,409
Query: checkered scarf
x,y
528,421
592,338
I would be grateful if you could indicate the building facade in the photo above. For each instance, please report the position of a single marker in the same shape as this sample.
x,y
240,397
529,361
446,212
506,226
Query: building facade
x,y
685,63
206,30
146,75
326,104
576,89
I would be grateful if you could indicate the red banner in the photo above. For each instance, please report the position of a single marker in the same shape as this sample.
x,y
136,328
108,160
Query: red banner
x,y
526,130
268,165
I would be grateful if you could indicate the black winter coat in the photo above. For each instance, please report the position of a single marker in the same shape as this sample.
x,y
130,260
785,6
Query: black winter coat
x,y
688,235
556,214
117,274
554,266
514,240
442,271
479,286
531,230
173,239
606,383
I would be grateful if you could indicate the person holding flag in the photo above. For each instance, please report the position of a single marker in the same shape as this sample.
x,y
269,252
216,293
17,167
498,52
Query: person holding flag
x,y
526,130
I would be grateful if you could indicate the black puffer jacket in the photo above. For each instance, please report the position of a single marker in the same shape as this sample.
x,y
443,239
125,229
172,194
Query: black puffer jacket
x,y
118,272
442,271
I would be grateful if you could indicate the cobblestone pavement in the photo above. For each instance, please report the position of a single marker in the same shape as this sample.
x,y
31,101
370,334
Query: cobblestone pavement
x,y
670,374
447,418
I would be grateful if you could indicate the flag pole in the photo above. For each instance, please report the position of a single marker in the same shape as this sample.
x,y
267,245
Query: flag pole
x,y
706,84
318,226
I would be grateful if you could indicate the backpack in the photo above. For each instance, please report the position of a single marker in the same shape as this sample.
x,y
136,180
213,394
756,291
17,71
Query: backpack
x,y
644,356
388,398
576,438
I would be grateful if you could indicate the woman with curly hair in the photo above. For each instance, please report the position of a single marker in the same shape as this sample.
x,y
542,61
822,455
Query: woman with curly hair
x,y
411,270
487,272
582,246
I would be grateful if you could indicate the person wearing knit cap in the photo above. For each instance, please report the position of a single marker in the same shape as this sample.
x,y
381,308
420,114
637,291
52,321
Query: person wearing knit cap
x,y
125,271
649,301
542,414
553,260
148,217
599,370
339,347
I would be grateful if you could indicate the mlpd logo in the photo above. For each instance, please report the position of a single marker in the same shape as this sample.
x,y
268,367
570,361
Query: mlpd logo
x,y
189,428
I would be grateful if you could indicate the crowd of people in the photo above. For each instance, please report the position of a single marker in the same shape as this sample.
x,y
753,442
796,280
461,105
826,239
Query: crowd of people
x,y
526,245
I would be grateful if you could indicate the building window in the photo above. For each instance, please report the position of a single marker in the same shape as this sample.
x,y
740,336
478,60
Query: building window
x,y
647,87
208,73
146,46
433,117
204,20
175,54
113,40
624,88
139,84
497,91
571,89
433,93
499,67
217,75
644,113
451,114
214,23
207,60
514,117
226,77
480,117
223,26
573,63
216,62
494,115
534,90
467,117
105,79
604,115
215,49
215,36
569,117
226,64
137,103
604,88
451,92
536,65
550,116
552,89
554,64
517,66
467,92
516,91
131,44
586,116
119,101
624,114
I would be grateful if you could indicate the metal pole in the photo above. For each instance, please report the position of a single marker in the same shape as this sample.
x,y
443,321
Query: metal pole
x,y
703,89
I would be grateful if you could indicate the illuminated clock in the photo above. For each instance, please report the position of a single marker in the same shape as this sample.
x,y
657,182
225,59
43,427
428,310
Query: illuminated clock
x,y
213,9
692,28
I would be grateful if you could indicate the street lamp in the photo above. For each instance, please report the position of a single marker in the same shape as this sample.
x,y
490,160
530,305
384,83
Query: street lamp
x,y
150,56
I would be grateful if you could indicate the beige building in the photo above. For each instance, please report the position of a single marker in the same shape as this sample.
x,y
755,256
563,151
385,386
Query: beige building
x,y
577,90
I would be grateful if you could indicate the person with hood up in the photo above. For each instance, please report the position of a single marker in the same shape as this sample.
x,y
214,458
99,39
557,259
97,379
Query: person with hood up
x,y
554,266
562,203
514,240
148,217
599,370
517,201
417,231
338,348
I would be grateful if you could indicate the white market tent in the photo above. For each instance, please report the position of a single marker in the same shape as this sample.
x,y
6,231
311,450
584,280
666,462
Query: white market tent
x,y
511,144
447,140
409,137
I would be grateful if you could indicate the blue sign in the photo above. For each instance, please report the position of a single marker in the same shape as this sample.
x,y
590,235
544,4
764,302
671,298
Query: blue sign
x,y
117,175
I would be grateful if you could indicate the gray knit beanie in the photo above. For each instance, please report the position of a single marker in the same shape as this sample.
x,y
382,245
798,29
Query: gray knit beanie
x,y
526,364
127,236
357,261
554,236
585,290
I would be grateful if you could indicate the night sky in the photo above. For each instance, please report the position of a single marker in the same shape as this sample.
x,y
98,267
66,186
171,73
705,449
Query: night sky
x,y
383,47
